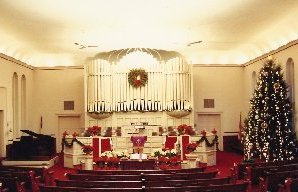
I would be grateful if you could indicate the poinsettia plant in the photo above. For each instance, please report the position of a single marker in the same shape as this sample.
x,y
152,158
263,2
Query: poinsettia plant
x,y
190,147
203,132
108,160
214,131
93,131
185,129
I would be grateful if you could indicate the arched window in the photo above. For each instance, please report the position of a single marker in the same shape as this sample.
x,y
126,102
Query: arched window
x,y
290,79
15,105
23,102
253,81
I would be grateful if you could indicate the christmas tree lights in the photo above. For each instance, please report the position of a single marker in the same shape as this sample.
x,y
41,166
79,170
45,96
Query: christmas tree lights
x,y
268,131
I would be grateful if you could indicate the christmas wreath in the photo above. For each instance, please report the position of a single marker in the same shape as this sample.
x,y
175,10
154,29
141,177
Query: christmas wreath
x,y
137,77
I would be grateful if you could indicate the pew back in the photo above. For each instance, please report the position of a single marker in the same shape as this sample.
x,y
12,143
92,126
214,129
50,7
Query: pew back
x,y
241,187
138,172
79,189
89,177
273,179
99,184
195,182
180,176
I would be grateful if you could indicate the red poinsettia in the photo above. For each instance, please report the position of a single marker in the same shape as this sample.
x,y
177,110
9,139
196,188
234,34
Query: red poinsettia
x,y
100,159
185,129
176,160
203,132
190,147
94,130
214,131
64,134
75,134
189,130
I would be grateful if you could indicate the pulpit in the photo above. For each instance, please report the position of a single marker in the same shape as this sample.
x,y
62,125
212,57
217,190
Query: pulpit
x,y
138,142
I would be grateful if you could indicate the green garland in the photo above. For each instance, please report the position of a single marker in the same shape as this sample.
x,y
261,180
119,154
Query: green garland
x,y
214,141
137,77
70,144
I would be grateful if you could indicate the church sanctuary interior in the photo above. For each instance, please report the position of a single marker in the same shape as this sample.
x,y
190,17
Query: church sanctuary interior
x,y
156,95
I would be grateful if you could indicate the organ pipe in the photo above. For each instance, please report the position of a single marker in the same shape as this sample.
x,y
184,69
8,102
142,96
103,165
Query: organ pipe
x,y
167,89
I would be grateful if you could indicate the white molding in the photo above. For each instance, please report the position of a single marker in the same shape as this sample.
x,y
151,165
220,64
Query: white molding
x,y
69,114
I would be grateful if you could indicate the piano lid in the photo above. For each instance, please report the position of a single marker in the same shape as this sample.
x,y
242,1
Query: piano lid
x,y
34,134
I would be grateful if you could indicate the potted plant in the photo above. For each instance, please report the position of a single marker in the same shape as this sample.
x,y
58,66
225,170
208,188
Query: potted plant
x,y
191,147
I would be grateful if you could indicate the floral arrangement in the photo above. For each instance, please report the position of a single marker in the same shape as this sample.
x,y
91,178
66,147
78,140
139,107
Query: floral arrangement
x,y
93,131
109,159
167,159
137,77
122,154
190,147
87,149
162,152
185,129
108,132
108,154
169,163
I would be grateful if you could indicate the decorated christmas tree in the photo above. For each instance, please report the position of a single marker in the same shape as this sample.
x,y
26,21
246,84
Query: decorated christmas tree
x,y
268,129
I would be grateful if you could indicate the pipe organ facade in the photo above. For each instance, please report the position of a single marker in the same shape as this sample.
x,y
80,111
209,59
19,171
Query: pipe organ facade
x,y
167,89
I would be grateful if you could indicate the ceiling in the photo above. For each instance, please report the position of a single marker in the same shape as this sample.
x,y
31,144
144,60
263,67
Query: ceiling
x,y
66,32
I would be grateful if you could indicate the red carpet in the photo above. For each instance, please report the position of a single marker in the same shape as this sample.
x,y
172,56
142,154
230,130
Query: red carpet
x,y
224,161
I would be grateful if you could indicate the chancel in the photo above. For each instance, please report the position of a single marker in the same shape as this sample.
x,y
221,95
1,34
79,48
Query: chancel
x,y
154,95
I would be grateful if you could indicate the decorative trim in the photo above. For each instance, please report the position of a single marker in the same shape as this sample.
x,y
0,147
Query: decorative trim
x,y
69,114
70,144
213,142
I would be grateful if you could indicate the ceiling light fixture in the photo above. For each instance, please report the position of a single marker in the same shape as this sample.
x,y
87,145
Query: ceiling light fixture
x,y
85,46
195,42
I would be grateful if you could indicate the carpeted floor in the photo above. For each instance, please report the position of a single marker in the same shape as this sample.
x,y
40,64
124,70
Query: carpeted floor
x,y
224,161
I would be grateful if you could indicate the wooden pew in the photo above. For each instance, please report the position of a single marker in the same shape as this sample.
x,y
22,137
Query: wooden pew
x,y
79,189
181,183
12,184
99,184
271,180
254,173
39,171
291,185
89,177
180,176
241,167
46,176
138,172
240,187
3,189
29,178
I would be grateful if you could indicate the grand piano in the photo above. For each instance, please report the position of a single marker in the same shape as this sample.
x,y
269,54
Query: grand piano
x,y
32,146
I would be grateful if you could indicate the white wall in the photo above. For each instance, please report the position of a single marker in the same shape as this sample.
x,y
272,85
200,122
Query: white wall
x,y
51,88
9,66
224,84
